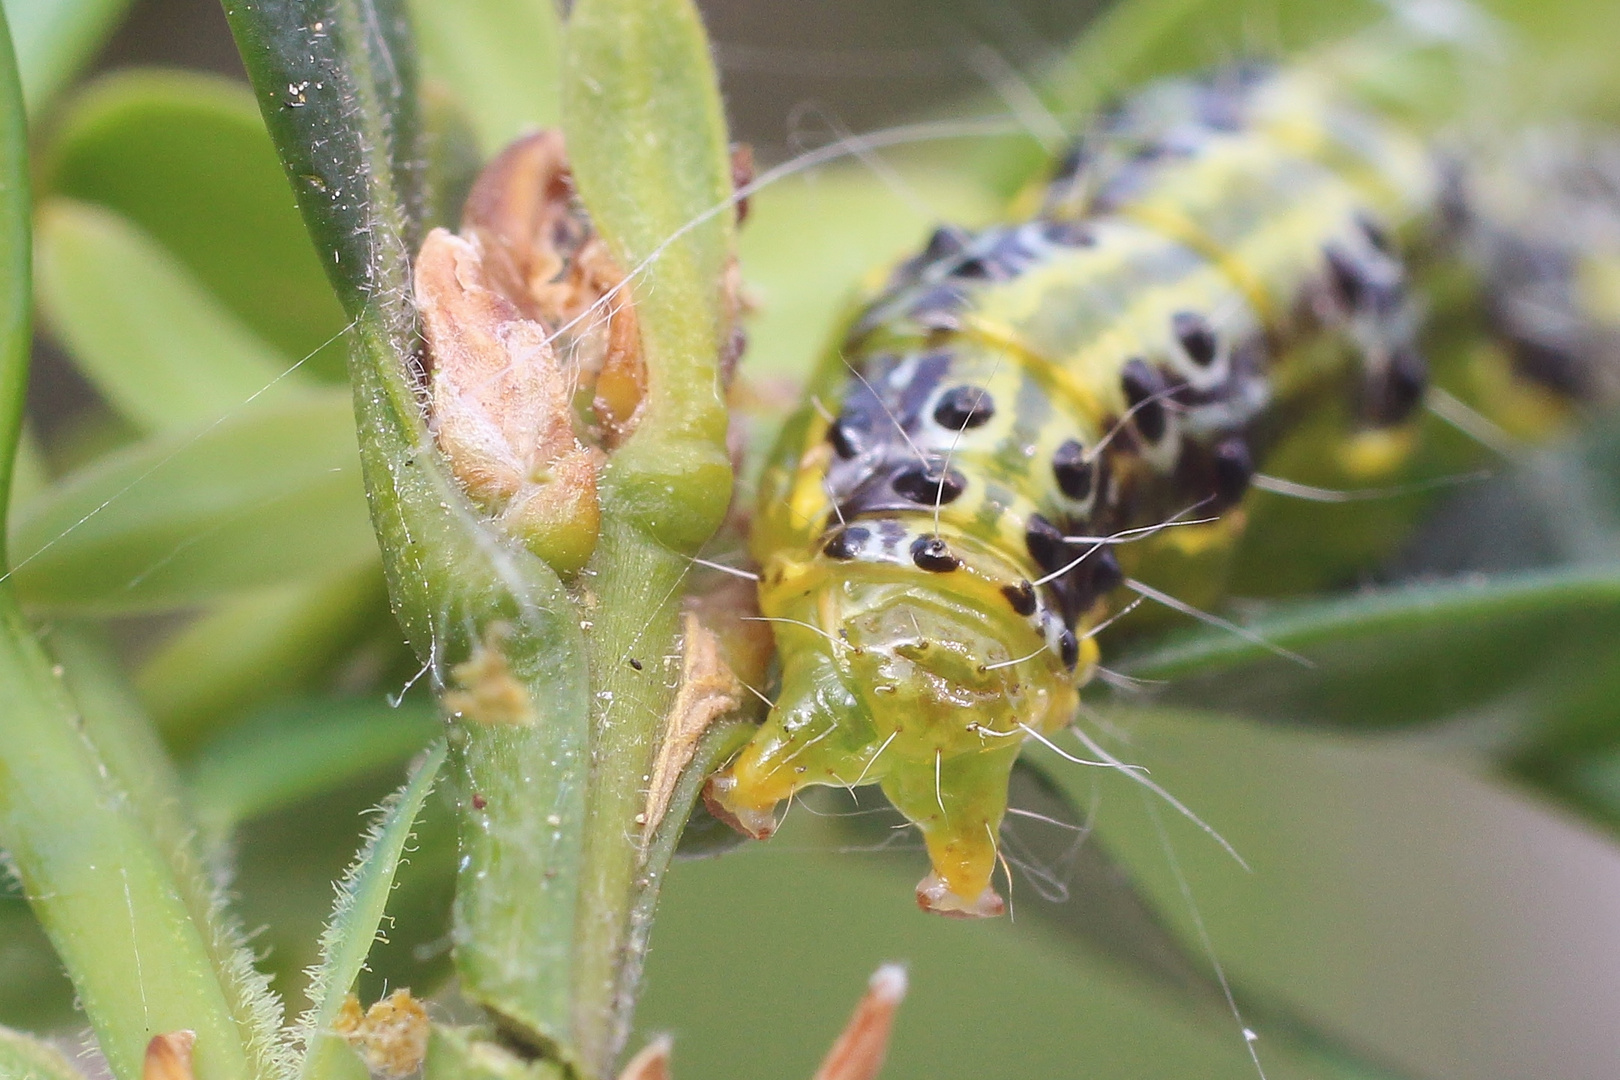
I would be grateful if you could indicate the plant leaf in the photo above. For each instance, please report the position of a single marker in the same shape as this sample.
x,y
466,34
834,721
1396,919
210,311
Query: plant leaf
x,y
55,39
97,882
362,902
268,493
249,649
336,85
163,352
125,744
1416,654
498,57
16,302
185,158
25,1058
295,752
1101,909
647,143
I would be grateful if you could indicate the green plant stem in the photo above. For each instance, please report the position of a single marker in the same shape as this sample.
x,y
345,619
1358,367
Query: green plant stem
x,y
638,594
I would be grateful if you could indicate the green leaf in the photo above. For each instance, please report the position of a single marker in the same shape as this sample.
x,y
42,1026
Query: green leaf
x,y
26,1058
335,81
98,883
16,304
298,751
127,747
1522,645
250,649
362,902
1101,909
185,157
163,351
55,39
35,993
269,493
647,143
499,58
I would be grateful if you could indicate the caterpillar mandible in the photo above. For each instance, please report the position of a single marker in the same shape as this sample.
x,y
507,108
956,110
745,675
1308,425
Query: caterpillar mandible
x,y
1027,415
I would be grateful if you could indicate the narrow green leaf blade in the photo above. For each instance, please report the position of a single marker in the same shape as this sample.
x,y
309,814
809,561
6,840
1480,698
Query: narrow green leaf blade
x,y
1405,656
254,648
127,747
96,880
362,902
1104,912
161,349
335,82
57,38
269,493
16,303
500,59
185,157
647,142
25,1058
298,751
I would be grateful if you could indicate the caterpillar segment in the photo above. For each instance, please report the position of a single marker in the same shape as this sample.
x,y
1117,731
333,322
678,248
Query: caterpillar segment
x,y
1029,413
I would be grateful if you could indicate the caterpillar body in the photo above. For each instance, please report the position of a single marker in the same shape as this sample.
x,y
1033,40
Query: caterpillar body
x,y
1029,416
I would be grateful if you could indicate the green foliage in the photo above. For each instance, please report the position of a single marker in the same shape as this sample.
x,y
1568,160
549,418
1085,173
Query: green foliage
x,y
185,159
176,275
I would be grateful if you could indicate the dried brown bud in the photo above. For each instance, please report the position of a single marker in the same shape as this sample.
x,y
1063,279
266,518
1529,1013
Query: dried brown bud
x,y
168,1057
544,255
501,406
858,1054
651,1061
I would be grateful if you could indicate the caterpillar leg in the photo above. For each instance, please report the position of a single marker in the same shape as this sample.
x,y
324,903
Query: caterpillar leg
x,y
957,803
817,734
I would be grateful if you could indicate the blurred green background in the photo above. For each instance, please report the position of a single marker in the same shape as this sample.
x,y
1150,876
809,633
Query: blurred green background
x,y
1402,896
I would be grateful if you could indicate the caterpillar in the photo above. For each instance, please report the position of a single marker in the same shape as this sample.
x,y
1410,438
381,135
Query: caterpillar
x,y
1028,418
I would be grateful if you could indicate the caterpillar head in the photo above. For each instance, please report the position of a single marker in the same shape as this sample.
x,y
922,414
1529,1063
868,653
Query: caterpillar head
x,y
924,683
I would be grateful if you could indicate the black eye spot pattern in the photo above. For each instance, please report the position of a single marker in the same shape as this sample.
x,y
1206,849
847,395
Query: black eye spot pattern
x,y
1106,576
1069,649
1234,468
848,433
1197,337
1072,470
931,554
1374,231
1046,544
963,407
1068,233
1021,596
1403,389
927,487
947,241
846,543
1349,278
1142,384
972,268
